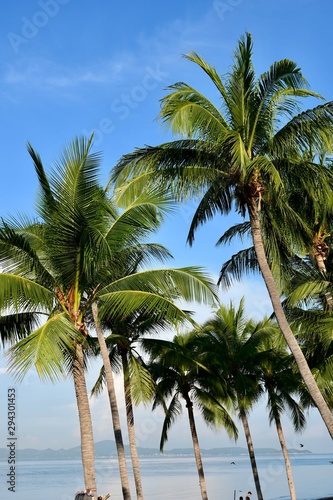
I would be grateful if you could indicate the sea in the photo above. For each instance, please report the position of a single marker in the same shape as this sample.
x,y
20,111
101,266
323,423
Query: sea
x,y
173,478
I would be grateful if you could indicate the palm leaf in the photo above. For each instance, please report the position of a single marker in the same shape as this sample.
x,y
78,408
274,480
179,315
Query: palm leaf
x,y
142,384
17,292
47,349
14,327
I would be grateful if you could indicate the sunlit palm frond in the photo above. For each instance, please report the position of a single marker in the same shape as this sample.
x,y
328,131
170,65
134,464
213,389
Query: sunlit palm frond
x,y
210,71
191,114
21,247
189,284
47,349
142,384
17,293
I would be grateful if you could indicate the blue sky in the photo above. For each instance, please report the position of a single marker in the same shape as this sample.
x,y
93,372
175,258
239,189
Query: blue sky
x,y
69,67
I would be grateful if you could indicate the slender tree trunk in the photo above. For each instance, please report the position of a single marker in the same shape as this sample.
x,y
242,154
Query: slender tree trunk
x,y
86,429
251,451
286,459
301,362
113,405
196,447
131,429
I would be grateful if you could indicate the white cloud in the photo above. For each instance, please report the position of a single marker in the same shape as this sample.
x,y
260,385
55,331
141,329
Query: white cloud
x,y
40,73
164,47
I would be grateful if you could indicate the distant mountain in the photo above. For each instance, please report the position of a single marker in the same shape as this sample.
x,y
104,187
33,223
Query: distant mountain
x,y
107,449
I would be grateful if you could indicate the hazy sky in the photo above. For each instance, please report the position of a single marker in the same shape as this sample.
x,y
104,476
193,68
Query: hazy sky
x,y
69,67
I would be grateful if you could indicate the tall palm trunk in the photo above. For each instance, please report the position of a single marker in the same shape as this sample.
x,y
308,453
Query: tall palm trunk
x,y
113,405
86,429
250,448
286,458
131,428
283,323
196,447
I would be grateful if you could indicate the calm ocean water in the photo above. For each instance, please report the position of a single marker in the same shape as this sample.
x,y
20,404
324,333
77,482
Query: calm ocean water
x,y
174,478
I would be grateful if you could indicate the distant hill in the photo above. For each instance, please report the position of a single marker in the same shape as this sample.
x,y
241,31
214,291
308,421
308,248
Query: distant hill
x,y
107,449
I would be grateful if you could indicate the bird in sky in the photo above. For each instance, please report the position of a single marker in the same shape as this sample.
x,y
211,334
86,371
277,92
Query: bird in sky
x,y
301,445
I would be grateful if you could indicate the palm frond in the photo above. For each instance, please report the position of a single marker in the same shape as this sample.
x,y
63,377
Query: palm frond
x,y
14,327
242,263
172,412
142,384
47,349
210,71
18,293
151,289
310,127
190,113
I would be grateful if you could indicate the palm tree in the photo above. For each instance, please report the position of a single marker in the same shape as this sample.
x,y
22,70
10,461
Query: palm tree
x,y
245,156
68,265
126,334
282,384
233,347
180,375
152,292
46,266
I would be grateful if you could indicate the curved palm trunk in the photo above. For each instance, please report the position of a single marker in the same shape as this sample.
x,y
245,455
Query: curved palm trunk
x,y
131,429
113,405
86,429
301,362
286,459
196,447
251,452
